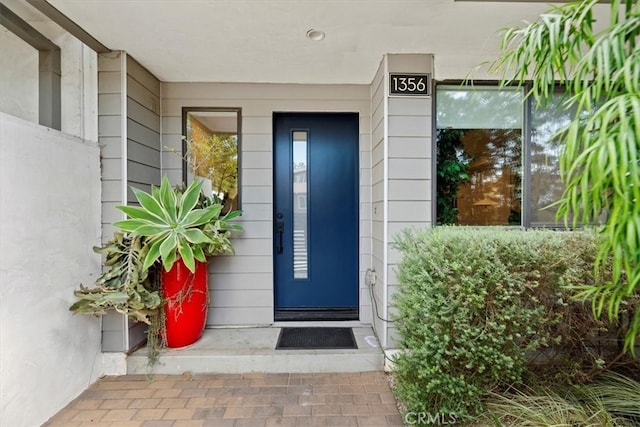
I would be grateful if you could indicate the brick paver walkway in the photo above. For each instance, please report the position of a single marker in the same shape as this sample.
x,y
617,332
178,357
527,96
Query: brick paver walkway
x,y
256,400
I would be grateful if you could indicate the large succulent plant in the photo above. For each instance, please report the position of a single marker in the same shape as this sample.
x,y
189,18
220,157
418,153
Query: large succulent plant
x,y
125,286
178,224
170,223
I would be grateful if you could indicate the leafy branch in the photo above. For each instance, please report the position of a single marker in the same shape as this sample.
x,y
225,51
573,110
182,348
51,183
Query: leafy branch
x,y
125,286
599,72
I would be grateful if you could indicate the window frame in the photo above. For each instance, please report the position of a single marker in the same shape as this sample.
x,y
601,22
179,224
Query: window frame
x,y
526,208
185,165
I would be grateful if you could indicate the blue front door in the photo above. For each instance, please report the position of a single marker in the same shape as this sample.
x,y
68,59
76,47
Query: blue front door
x,y
316,216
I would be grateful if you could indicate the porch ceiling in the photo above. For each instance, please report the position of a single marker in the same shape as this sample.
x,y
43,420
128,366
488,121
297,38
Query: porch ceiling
x,y
264,40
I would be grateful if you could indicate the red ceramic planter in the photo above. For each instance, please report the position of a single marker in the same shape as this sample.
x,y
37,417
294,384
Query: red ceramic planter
x,y
186,296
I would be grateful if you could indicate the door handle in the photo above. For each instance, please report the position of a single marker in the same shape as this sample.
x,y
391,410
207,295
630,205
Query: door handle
x,y
279,237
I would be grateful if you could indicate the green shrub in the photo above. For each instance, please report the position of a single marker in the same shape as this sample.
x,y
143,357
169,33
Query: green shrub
x,y
474,304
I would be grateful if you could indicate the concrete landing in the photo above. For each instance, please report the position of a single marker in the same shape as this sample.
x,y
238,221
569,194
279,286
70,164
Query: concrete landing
x,y
244,350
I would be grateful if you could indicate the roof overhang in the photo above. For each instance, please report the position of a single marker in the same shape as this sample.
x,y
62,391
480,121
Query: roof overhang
x,y
266,40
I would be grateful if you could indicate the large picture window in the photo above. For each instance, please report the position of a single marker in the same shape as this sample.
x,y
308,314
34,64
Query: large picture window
x,y
497,161
211,148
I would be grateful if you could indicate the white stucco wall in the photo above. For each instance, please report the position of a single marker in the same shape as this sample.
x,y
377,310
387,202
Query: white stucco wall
x,y
50,219
19,71
78,85
18,77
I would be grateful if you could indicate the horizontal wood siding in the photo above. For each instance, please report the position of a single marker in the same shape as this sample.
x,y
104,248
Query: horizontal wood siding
x,y
410,163
143,128
133,104
378,194
242,285
143,146
110,121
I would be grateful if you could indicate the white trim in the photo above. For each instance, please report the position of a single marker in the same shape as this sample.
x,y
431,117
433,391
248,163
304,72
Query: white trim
x,y
385,200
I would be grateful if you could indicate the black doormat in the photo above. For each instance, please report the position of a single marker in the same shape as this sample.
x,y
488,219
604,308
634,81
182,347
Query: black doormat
x,y
316,338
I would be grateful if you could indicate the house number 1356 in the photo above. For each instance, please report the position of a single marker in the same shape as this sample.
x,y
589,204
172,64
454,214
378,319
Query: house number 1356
x,y
409,84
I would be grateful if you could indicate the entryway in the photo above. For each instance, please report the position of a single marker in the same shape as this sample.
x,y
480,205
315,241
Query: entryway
x,y
243,399
316,199
253,349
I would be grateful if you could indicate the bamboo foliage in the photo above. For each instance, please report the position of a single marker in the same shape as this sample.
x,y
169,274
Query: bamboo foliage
x,y
599,71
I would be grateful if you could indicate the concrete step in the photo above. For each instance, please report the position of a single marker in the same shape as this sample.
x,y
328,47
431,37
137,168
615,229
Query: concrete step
x,y
244,350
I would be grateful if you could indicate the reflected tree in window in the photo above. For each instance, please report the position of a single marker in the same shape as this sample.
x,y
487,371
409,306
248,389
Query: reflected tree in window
x,y
212,141
546,149
216,158
479,151
493,194
453,165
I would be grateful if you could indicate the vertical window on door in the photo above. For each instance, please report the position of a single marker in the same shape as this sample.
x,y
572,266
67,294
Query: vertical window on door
x,y
300,218
211,151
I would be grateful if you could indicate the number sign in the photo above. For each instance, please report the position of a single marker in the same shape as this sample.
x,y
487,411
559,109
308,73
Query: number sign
x,y
409,84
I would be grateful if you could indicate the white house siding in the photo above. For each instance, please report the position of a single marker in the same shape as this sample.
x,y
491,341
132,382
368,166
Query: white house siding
x,y
242,285
410,177
143,128
129,136
50,218
379,194
111,92
401,176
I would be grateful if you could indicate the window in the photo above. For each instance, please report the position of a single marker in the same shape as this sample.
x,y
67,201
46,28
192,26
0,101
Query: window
x,y
302,202
497,163
479,155
211,147
546,186
300,148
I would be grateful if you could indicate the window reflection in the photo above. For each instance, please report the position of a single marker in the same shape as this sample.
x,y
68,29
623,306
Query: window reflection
x,y
546,185
212,141
492,195
300,192
479,156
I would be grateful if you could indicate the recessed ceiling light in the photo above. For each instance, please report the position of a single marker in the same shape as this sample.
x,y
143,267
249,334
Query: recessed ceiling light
x,y
315,35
